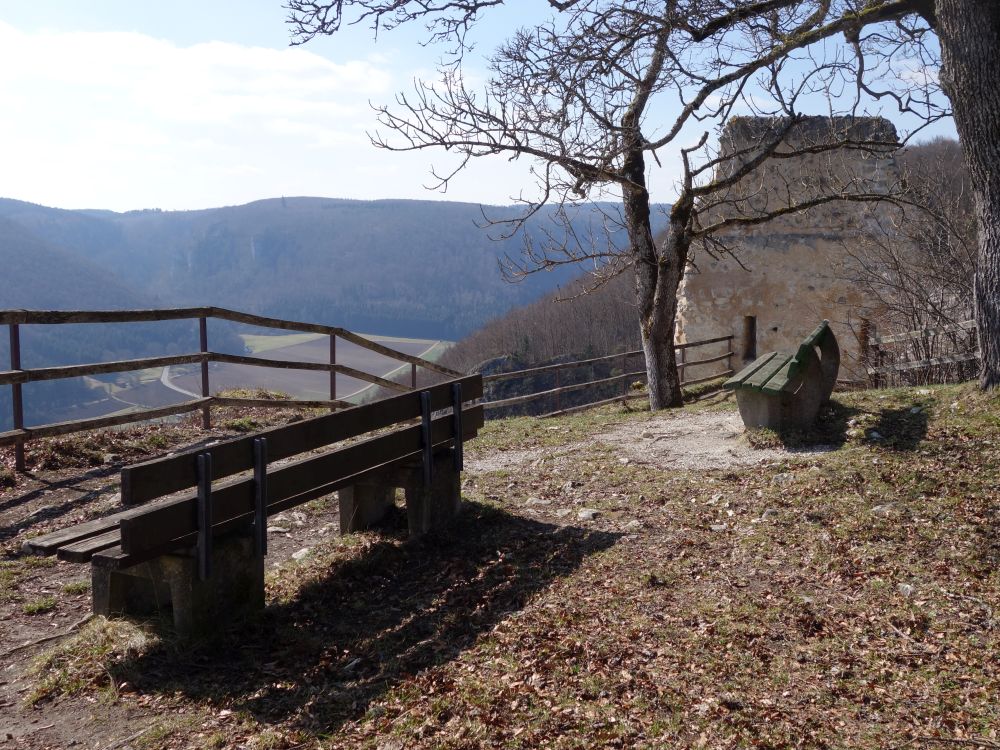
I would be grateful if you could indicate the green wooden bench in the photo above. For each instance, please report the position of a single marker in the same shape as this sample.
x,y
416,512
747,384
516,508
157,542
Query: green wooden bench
x,y
785,391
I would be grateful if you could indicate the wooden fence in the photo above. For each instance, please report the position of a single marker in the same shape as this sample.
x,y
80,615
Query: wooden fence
x,y
927,355
16,376
626,378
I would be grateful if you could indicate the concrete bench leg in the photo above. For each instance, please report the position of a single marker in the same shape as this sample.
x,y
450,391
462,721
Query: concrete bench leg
x,y
364,505
170,583
431,506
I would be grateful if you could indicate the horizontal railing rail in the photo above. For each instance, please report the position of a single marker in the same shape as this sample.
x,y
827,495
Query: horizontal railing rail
x,y
17,375
924,355
626,378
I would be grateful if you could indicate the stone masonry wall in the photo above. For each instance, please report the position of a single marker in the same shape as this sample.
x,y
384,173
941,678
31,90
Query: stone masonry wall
x,y
789,273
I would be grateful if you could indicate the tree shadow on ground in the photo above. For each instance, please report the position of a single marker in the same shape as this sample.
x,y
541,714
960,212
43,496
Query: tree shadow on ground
x,y
369,622
899,429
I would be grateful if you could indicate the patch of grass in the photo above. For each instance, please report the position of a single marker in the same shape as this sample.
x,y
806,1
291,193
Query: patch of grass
x,y
260,393
12,571
7,478
76,587
95,657
242,424
39,606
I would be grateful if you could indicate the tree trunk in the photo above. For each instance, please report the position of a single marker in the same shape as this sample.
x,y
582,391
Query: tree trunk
x,y
657,277
969,33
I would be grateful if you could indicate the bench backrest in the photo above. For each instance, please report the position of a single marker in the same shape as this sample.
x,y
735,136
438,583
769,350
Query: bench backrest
x,y
174,523
164,476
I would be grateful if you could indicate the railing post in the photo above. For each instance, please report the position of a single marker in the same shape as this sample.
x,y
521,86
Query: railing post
x,y
206,410
749,341
413,375
680,365
17,402
558,386
333,373
624,379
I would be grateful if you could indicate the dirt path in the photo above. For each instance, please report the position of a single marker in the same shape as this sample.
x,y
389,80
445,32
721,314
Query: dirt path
x,y
669,440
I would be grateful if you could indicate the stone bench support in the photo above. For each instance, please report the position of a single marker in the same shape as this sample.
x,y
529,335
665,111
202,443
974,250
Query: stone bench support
x,y
169,584
427,506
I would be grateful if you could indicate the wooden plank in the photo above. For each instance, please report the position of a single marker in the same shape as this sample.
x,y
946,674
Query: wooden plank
x,y
101,368
233,501
288,325
765,373
739,378
58,317
948,359
564,389
368,378
553,368
48,544
144,481
83,550
287,403
706,379
965,325
593,404
778,382
79,425
709,360
692,344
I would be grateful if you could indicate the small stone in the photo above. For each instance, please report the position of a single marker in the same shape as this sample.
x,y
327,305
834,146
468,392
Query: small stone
x,y
298,517
905,589
563,512
916,410
112,458
924,392
719,527
715,498
587,514
302,554
537,501
954,405
624,461
783,478
635,525
769,514
874,435
884,510
568,486
277,529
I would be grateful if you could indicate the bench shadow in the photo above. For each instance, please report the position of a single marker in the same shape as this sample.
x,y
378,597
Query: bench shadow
x,y
346,638
829,431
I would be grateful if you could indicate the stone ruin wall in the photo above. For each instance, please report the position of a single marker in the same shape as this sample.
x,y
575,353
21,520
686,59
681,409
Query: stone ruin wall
x,y
790,272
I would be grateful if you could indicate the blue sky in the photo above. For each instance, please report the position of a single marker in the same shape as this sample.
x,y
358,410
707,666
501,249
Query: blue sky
x,y
124,105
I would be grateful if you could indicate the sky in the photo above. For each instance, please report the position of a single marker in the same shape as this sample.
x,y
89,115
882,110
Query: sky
x,y
124,105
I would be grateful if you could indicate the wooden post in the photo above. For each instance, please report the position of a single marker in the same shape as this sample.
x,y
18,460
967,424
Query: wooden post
x,y
624,379
333,373
749,342
206,410
17,402
558,386
865,344
680,365
413,376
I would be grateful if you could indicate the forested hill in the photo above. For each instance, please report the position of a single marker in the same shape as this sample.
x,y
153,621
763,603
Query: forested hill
x,y
418,268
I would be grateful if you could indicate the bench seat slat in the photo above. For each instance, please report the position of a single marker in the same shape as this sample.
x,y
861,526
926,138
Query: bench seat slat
x,y
760,378
739,378
49,544
83,550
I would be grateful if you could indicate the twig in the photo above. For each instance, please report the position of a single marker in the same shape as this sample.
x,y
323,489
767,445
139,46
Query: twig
x,y
46,639
127,740
973,741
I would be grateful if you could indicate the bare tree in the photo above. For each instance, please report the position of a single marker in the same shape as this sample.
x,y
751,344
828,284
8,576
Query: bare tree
x,y
583,95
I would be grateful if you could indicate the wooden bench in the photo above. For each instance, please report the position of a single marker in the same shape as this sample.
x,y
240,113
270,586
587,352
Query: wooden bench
x,y
785,391
201,552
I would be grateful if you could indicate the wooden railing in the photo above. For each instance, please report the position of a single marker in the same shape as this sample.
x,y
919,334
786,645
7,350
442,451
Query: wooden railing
x,y
16,376
626,378
923,356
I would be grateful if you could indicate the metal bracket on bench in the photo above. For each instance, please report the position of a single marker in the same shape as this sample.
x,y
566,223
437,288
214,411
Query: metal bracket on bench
x,y
456,419
204,515
260,495
425,436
